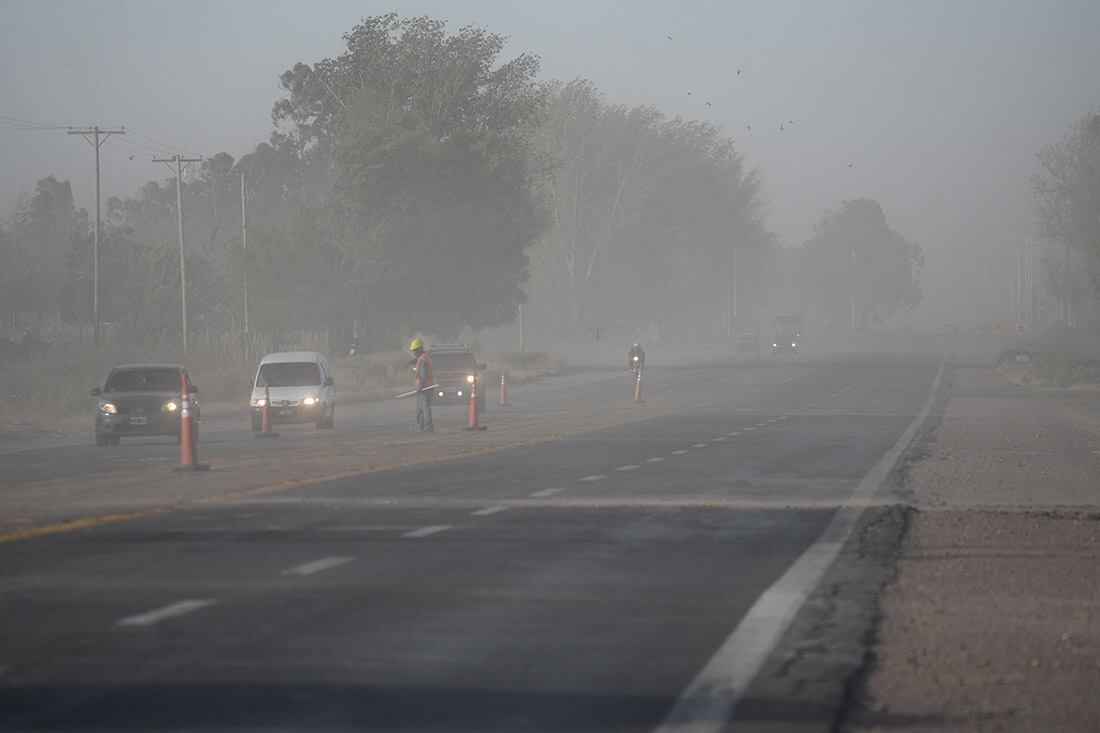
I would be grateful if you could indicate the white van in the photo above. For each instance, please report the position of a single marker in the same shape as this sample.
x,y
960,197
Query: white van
x,y
300,386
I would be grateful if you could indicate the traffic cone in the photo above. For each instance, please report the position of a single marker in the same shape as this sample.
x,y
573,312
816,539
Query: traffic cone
x,y
638,386
265,417
503,390
188,453
473,423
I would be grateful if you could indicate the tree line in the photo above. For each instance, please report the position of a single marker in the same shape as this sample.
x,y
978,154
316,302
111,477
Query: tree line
x,y
418,181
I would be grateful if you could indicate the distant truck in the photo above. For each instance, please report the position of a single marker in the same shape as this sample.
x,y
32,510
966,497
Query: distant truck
x,y
788,332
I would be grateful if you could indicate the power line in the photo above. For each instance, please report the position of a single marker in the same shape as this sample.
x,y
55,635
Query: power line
x,y
163,144
29,125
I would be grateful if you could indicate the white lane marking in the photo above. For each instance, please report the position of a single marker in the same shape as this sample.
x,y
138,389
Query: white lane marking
x,y
678,452
750,428
593,477
488,511
782,417
735,432
717,440
627,467
425,531
316,566
705,705
772,420
546,492
655,459
176,609
761,424
699,445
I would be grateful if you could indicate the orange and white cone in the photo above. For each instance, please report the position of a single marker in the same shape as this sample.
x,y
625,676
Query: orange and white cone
x,y
188,453
503,390
265,417
474,420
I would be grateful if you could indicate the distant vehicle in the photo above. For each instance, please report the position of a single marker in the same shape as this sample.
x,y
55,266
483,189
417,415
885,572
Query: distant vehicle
x,y
455,369
300,386
748,343
142,399
788,332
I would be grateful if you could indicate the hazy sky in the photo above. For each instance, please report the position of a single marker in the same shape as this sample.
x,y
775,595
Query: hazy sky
x,y
939,107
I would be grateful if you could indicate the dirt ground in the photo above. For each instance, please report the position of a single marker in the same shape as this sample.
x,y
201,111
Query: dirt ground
x,y
993,619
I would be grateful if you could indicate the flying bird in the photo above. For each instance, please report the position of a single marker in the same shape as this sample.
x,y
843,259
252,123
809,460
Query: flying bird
x,y
669,37
781,128
850,165
739,72
689,94
709,104
749,127
790,122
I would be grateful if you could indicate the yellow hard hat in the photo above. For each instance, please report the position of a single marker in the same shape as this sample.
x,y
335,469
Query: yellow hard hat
x,y
416,344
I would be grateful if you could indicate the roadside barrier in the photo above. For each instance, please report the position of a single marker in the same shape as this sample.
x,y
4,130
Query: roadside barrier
x,y
638,386
265,417
474,420
188,454
503,390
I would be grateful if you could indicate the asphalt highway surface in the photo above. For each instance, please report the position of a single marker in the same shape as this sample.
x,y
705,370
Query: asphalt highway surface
x,y
586,563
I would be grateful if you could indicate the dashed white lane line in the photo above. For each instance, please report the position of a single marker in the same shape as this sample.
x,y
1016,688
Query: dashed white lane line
x,y
176,609
627,467
655,459
772,420
750,428
546,492
735,432
679,452
593,477
425,531
782,417
316,566
488,511
717,440
699,445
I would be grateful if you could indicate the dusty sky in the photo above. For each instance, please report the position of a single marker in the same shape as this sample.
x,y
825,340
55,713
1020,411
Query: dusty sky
x,y
938,106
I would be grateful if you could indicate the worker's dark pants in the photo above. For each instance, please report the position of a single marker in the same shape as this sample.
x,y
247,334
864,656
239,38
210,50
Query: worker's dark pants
x,y
424,409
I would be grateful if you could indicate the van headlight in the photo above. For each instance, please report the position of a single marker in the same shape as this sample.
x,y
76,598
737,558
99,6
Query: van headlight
x,y
470,379
107,407
259,402
171,405
310,401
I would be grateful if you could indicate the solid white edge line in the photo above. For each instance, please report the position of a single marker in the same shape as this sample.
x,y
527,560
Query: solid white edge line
x,y
488,511
170,611
705,705
316,566
425,531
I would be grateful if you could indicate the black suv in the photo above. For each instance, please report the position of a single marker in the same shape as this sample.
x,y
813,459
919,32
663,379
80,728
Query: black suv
x,y
455,369
142,399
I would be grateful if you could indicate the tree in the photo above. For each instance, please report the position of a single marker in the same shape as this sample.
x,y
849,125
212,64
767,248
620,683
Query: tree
x,y
1067,193
856,269
419,144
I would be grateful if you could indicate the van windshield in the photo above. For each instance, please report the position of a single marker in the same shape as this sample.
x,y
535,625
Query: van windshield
x,y
289,374
453,361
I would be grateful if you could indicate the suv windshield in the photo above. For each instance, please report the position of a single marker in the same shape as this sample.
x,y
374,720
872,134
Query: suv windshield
x,y
289,374
453,361
144,380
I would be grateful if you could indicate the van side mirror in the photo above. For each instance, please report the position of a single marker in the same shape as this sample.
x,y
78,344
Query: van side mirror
x,y
96,391
194,388
329,381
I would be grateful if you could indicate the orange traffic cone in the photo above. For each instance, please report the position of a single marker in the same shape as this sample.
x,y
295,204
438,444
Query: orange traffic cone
x,y
265,417
503,390
188,453
473,423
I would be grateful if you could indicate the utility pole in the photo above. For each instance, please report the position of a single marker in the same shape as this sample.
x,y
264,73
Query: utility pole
x,y
244,246
179,161
98,137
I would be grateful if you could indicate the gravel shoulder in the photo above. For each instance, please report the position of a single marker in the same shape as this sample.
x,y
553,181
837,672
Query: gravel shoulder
x,y
992,620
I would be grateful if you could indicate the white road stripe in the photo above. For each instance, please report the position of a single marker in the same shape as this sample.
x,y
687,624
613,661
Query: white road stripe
x,y
772,420
176,609
782,417
717,440
679,452
627,467
425,531
750,428
655,459
735,432
489,511
316,566
593,477
706,705
546,492
699,445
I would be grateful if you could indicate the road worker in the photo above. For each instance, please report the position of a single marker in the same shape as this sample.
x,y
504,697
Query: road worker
x,y
423,370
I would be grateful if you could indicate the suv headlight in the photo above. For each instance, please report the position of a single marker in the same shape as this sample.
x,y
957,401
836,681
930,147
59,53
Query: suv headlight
x,y
107,407
470,379
172,405
259,402
310,401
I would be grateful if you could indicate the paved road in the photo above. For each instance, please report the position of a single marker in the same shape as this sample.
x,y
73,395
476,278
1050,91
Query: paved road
x,y
579,578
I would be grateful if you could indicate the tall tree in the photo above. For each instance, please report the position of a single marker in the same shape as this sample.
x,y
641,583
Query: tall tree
x,y
856,269
1067,192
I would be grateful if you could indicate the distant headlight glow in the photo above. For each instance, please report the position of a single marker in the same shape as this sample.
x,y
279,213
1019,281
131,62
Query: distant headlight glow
x,y
470,379
171,406
310,401
459,393
259,402
107,407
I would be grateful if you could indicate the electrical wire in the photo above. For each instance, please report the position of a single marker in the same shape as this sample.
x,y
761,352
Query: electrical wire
x,y
162,144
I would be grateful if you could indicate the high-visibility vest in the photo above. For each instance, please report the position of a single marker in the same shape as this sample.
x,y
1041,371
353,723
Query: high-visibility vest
x,y
423,364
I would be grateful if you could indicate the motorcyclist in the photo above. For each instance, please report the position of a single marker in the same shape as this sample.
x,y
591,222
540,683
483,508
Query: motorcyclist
x,y
635,358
